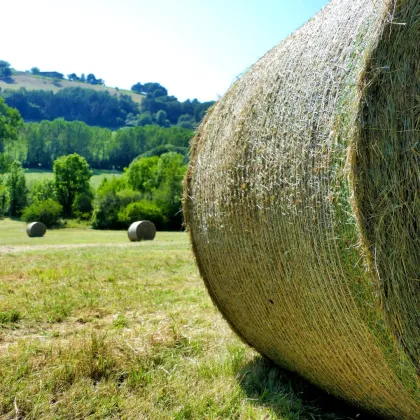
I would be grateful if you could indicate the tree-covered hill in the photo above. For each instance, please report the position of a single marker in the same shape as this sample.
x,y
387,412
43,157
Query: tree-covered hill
x,y
49,95
31,81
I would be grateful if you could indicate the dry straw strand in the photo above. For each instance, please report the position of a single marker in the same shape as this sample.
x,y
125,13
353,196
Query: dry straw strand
x,y
302,201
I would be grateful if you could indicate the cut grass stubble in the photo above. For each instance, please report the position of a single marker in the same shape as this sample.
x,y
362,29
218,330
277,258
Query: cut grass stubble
x,y
129,332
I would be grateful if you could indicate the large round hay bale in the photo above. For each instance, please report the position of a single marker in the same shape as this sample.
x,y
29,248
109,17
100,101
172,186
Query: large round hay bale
x,y
36,229
303,204
144,230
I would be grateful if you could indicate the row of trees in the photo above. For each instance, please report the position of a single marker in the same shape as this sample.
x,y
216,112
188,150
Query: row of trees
x,y
165,110
90,78
100,108
97,108
37,145
150,189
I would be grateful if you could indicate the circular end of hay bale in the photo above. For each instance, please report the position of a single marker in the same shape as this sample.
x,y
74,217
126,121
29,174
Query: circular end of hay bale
x,y
143,230
36,229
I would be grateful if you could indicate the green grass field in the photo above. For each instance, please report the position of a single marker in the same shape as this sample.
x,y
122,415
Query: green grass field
x,y
33,175
93,326
34,82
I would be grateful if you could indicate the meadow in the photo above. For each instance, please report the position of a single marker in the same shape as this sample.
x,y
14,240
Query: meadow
x,y
94,326
36,82
33,175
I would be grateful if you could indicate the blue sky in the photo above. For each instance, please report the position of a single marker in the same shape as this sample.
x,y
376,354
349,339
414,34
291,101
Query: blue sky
x,y
194,48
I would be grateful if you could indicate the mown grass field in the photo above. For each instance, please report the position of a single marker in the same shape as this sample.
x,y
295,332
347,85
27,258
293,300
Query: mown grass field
x,y
33,175
35,82
93,326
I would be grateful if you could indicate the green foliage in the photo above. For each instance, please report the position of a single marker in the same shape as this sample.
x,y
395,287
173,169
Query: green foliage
x,y
39,144
82,206
138,88
47,212
161,118
129,196
42,190
5,70
142,174
142,210
107,208
160,180
168,196
71,177
16,189
96,108
166,148
10,122
5,163
4,198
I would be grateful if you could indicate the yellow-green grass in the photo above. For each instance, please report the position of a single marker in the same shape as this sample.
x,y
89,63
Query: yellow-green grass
x,y
33,175
34,82
129,332
13,237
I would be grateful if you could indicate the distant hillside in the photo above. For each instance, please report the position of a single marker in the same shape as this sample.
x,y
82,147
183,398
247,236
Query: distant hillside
x,y
35,82
48,95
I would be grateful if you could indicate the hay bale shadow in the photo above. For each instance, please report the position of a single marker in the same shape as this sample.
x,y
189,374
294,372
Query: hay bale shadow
x,y
287,394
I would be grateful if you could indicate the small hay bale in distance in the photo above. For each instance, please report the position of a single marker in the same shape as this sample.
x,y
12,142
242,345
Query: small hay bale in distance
x,y
36,230
302,202
143,230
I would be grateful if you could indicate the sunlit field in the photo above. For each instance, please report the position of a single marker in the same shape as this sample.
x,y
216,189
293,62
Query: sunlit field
x,y
33,175
94,326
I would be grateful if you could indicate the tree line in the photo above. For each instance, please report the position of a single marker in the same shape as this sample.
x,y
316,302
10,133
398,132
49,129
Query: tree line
x,y
38,145
100,108
149,189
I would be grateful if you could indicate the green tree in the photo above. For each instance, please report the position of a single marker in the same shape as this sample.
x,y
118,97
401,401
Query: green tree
x,y
73,77
10,121
5,70
16,188
168,196
42,191
161,118
138,88
35,70
142,174
4,198
47,212
71,177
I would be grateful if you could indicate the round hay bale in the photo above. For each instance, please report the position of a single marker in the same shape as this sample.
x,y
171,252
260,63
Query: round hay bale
x,y
143,230
303,205
36,229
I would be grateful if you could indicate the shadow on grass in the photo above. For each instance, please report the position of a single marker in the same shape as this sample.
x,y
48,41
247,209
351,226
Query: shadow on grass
x,y
290,396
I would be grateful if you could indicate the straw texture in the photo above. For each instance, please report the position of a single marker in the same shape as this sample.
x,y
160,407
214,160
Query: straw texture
x,y
303,204
36,229
143,230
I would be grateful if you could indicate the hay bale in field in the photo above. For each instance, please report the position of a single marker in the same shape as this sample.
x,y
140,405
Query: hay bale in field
x,y
36,229
143,230
303,205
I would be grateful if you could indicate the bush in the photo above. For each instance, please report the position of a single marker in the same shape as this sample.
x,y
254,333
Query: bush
x,y
106,212
129,196
143,210
82,206
41,191
47,212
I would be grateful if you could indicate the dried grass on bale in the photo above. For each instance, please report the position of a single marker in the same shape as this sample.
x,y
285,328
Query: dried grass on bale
x,y
143,230
36,229
303,204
